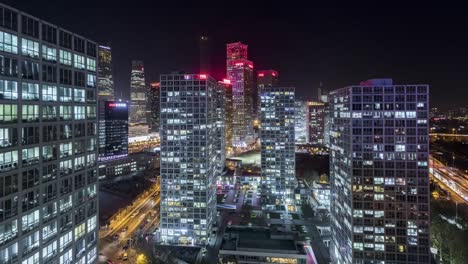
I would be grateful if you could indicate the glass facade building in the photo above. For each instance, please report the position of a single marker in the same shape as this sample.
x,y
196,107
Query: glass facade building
x,y
153,106
105,76
300,125
48,142
113,130
228,116
278,160
379,175
240,73
316,122
138,123
265,78
191,143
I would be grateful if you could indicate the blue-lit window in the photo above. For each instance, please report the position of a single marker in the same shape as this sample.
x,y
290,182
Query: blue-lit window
x,y
91,81
30,48
30,91
49,54
8,43
79,62
49,93
91,64
8,90
65,57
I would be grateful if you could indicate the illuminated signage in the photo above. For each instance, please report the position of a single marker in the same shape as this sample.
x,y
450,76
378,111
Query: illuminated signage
x,y
119,105
226,81
261,74
203,76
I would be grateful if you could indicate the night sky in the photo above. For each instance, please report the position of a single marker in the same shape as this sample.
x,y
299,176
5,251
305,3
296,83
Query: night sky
x,y
337,45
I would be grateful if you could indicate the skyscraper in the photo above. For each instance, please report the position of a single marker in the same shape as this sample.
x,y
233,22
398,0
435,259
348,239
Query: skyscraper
x,y
379,173
316,122
48,142
190,156
113,130
138,118
300,126
277,143
153,106
105,76
240,73
228,116
265,78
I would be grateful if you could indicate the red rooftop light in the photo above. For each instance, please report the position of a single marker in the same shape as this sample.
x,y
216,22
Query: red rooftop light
x,y
226,81
261,74
202,76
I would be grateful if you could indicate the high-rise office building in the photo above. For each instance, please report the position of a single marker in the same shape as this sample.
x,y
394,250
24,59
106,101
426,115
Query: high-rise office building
x,y
153,106
379,173
48,142
315,121
105,76
228,116
300,126
240,73
265,78
277,143
190,156
138,124
113,131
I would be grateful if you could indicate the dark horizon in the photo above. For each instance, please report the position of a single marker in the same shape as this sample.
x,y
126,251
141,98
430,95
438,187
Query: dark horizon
x,y
336,46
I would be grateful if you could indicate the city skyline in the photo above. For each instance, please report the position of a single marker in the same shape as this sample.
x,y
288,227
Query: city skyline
x,y
403,43
212,158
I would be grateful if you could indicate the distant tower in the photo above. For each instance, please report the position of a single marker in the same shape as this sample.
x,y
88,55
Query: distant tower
x,y
205,55
316,122
240,73
228,110
154,94
265,78
138,117
105,76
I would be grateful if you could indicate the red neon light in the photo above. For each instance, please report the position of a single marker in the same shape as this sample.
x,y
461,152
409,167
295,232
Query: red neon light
x,y
112,105
251,66
226,81
274,74
240,64
261,74
202,76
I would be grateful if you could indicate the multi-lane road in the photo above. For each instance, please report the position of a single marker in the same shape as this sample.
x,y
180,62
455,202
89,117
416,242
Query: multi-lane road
x,y
451,178
130,227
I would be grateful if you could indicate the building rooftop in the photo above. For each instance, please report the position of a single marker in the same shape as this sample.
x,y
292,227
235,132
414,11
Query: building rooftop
x,y
259,239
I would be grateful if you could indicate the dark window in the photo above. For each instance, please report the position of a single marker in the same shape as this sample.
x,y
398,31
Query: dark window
x,y
49,33
29,26
30,70
65,39
79,78
8,66
91,49
79,44
65,76
8,19
49,73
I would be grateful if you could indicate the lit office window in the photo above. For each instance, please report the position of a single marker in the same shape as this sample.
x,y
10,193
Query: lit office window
x,y
65,57
30,48
8,43
79,62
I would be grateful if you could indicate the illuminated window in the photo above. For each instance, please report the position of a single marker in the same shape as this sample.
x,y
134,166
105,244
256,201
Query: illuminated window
x,y
8,43
79,62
